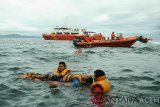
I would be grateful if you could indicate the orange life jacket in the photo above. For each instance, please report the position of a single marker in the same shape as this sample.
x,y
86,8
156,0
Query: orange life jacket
x,y
103,83
63,73
70,77
112,36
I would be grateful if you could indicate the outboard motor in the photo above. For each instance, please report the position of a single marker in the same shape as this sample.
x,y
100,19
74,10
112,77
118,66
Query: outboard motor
x,y
142,39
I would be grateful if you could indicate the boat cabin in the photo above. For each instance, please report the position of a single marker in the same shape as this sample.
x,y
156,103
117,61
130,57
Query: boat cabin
x,y
66,30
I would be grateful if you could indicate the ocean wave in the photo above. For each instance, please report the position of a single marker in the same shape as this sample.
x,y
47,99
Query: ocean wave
x,y
3,55
64,57
132,78
157,43
148,72
2,64
5,103
16,68
156,83
43,59
4,87
16,92
152,88
127,70
32,51
118,79
90,52
138,78
145,49
158,76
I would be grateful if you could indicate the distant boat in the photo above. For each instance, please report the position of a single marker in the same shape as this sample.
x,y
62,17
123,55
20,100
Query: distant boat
x,y
86,42
65,33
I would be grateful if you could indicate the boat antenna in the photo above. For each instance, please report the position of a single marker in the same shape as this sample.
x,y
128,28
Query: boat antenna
x,y
65,23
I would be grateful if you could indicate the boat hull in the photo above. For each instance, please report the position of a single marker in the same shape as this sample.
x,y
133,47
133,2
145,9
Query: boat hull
x,y
69,36
127,42
58,37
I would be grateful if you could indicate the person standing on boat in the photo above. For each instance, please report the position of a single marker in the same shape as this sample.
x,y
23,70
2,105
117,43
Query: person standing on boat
x,y
113,36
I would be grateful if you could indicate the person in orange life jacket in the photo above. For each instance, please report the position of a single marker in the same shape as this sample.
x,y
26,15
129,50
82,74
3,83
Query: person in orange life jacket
x,y
62,70
58,74
101,84
113,36
74,80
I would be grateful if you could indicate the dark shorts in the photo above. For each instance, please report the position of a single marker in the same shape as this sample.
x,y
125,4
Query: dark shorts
x,y
51,77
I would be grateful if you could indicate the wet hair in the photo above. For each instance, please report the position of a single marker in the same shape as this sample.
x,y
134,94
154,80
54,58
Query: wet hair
x,y
89,81
99,73
63,63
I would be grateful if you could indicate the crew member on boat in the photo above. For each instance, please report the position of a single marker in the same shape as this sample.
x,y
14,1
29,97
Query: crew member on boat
x,y
113,36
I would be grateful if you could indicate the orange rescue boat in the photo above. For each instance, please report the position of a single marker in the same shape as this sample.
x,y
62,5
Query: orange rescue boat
x,y
85,41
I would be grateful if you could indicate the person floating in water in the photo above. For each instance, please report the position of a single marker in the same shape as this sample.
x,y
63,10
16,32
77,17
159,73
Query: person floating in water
x,y
57,75
74,80
101,83
99,86
78,52
61,76
62,70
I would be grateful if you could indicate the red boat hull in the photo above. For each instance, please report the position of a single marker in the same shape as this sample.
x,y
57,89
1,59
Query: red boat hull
x,y
126,42
69,36
58,37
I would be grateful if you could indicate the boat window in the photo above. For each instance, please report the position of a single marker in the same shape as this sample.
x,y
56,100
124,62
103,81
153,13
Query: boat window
x,y
87,34
59,32
63,28
66,32
76,29
74,33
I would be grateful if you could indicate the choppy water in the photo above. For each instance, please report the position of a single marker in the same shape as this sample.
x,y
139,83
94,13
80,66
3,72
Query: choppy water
x,y
132,71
